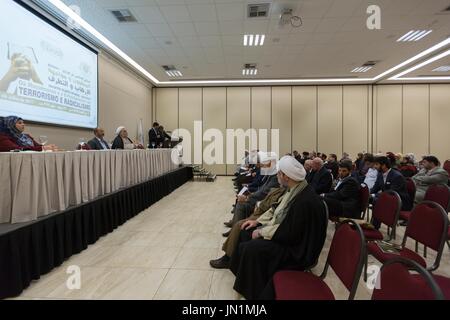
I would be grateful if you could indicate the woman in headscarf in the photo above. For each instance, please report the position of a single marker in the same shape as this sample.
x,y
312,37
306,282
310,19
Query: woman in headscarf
x,y
12,136
123,142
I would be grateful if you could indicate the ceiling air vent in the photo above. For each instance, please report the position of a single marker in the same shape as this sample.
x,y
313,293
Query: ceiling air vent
x,y
258,10
124,15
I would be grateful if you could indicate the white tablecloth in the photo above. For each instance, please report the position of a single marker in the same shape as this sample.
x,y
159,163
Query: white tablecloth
x,y
33,185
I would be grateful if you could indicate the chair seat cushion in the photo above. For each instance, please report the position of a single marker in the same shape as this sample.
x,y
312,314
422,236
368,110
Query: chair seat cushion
x,y
444,284
372,234
404,215
374,249
298,285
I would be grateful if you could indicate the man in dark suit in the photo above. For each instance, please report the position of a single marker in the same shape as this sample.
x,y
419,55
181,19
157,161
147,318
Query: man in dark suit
x,y
321,178
390,179
333,166
154,136
98,143
344,200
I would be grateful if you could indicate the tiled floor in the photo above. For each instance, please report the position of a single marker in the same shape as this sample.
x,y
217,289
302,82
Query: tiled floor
x,y
164,253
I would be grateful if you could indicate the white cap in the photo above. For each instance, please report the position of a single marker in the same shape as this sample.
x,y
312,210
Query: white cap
x,y
292,168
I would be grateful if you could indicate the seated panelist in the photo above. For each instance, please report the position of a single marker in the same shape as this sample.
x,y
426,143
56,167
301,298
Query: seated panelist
x,y
123,142
13,138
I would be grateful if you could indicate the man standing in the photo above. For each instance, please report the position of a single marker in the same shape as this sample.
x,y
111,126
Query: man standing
x,y
98,142
154,136
430,174
292,234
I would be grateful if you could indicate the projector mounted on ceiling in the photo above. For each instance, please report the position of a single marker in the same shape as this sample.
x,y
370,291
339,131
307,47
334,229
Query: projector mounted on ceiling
x,y
287,17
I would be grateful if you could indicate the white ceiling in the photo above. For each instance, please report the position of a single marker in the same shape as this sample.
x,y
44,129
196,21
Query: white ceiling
x,y
205,36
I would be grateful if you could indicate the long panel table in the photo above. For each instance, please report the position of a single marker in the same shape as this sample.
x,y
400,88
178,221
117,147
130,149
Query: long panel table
x,y
33,185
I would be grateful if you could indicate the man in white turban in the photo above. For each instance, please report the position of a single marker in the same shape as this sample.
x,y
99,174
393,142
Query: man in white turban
x,y
290,234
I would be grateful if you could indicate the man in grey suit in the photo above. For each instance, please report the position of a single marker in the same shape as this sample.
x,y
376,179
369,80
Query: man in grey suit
x,y
431,174
98,143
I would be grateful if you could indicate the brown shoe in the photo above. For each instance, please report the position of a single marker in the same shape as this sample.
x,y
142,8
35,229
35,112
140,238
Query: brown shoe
x,y
221,263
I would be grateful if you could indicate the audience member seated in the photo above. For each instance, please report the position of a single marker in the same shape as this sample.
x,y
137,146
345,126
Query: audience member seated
x,y
297,156
321,179
246,203
291,233
332,165
305,156
431,174
98,142
123,142
407,167
372,173
308,169
390,179
344,200
154,136
359,163
13,138
233,235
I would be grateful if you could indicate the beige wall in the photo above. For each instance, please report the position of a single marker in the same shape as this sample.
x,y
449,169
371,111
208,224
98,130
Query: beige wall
x,y
123,100
332,119
412,118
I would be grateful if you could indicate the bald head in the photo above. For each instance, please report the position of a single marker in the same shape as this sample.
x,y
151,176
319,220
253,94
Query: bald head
x,y
99,133
308,165
317,164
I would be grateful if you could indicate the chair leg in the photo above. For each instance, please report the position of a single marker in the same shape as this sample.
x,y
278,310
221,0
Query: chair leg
x,y
448,244
417,247
366,262
425,251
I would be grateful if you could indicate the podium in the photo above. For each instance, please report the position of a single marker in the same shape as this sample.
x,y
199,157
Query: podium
x,y
172,143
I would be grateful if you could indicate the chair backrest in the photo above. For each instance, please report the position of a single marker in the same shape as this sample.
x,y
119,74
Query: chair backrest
x,y
364,195
346,255
428,224
439,194
387,208
411,188
397,283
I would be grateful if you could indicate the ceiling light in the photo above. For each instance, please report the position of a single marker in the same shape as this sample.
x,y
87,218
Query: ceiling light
x,y
249,72
414,35
420,65
171,71
361,69
254,40
442,69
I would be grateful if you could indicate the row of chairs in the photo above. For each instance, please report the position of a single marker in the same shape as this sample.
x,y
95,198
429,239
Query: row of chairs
x,y
347,257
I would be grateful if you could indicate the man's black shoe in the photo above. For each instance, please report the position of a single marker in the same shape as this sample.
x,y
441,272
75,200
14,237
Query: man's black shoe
x,y
221,263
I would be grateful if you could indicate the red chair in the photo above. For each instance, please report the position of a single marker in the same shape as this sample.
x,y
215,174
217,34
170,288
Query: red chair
x,y
444,285
411,188
397,283
428,224
364,196
346,258
386,211
436,193
446,166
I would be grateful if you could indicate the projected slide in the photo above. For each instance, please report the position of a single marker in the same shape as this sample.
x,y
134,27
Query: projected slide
x,y
45,75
